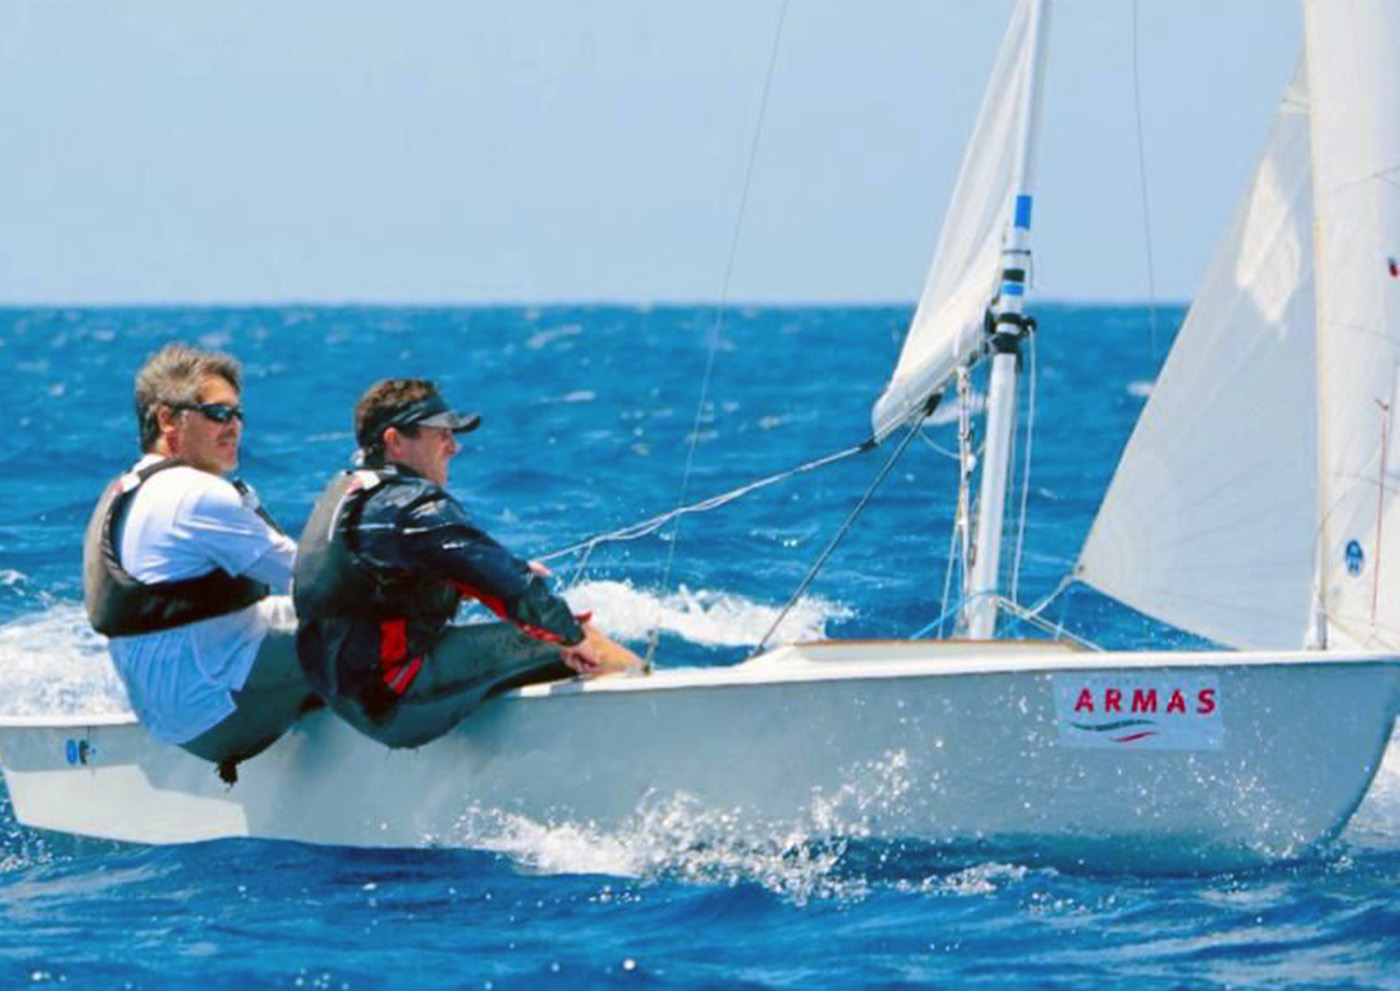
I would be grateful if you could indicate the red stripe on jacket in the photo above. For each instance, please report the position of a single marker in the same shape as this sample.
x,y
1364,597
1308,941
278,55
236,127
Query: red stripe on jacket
x,y
498,606
396,668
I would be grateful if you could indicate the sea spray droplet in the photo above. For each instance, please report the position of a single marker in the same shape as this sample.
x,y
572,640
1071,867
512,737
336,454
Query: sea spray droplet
x,y
680,839
629,964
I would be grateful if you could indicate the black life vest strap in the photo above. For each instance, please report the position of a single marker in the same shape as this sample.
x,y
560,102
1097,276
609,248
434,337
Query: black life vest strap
x,y
251,500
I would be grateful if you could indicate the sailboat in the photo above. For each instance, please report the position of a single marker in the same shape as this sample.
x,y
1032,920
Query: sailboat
x,y
1253,506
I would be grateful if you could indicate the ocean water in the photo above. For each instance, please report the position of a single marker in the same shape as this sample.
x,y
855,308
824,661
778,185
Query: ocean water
x,y
588,413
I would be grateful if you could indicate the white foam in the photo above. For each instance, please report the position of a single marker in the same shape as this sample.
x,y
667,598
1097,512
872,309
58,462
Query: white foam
x,y
54,664
707,617
544,338
578,396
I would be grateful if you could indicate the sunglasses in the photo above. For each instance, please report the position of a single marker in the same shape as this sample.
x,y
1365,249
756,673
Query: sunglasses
x,y
218,412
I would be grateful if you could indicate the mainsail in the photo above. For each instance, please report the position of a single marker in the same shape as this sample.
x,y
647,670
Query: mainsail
x,y
948,326
1353,54
1210,522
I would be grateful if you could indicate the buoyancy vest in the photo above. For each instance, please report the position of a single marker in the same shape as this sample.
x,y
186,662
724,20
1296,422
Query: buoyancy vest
x,y
119,605
332,579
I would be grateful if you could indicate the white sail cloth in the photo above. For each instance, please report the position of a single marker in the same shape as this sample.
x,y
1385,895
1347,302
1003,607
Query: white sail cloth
x,y
1210,521
1353,54
967,264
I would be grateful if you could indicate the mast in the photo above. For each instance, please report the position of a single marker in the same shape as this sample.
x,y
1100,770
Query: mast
x,y
1008,336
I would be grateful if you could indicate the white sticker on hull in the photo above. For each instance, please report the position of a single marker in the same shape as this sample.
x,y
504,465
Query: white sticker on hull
x,y
1140,711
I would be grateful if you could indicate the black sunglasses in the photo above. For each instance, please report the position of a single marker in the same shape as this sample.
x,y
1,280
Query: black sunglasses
x,y
218,412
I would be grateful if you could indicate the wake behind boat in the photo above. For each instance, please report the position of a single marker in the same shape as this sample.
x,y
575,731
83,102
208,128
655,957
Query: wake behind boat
x,y
1184,760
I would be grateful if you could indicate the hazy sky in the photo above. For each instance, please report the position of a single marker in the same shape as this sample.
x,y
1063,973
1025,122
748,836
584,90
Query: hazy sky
x,y
570,150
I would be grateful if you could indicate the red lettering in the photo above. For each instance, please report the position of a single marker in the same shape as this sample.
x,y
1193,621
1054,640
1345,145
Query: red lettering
x,y
1086,701
1177,702
1112,700
1205,701
1144,701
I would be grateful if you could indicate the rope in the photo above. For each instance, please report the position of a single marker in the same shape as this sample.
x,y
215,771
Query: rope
x,y
712,344
1031,615
647,527
937,447
1066,582
948,613
840,534
582,567
1142,183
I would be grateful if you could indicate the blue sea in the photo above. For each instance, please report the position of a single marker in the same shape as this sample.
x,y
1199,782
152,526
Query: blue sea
x,y
589,413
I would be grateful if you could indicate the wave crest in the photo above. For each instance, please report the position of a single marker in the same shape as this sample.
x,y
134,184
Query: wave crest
x,y
705,617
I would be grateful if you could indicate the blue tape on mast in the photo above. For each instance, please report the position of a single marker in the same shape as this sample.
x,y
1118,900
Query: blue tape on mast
x,y
1023,212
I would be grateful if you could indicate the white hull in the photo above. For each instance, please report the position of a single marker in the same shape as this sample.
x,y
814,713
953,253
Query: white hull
x,y
944,743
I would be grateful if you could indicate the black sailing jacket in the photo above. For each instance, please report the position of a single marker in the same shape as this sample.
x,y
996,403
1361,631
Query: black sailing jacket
x,y
381,568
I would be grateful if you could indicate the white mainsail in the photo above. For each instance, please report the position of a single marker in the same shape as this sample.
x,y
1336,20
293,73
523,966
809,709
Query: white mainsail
x,y
967,265
1353,54
1210,522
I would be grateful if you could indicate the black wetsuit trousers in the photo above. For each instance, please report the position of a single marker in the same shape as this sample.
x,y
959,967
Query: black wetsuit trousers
x,y
467,665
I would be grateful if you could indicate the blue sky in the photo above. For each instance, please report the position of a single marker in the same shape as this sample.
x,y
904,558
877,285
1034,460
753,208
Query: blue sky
x,y
579,150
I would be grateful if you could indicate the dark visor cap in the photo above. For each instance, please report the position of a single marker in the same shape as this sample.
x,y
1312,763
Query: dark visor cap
x,y
430,411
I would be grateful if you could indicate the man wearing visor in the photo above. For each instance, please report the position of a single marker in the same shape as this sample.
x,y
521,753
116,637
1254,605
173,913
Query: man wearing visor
x,y
382,566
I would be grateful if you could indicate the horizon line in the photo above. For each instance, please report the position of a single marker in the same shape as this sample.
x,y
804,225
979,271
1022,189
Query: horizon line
x,y
597,303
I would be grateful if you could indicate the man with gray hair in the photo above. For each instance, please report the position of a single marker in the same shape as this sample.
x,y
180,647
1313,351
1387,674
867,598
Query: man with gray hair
x,y
178,567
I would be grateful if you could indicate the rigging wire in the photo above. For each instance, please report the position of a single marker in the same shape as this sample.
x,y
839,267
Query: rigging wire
x,y
960,542
840,535
712,344
1142,185
1025,466
1068,586
645,528
953,559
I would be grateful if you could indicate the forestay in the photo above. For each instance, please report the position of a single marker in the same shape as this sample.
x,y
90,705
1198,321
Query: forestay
x,y
947,326
1211,519
1353,54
